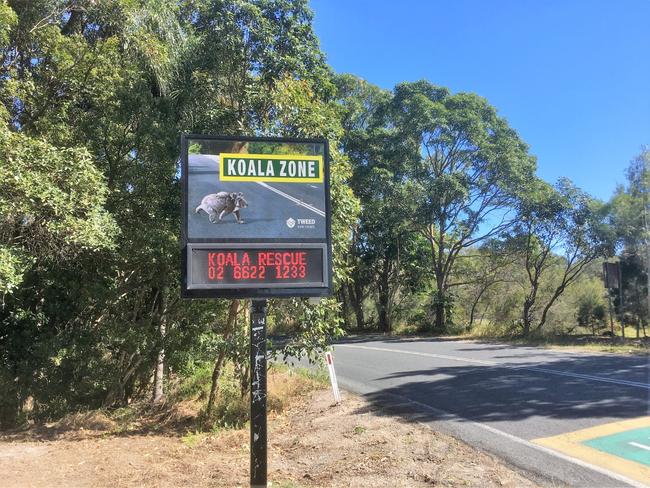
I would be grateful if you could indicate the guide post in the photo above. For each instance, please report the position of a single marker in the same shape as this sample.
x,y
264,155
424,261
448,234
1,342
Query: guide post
x,y
255,224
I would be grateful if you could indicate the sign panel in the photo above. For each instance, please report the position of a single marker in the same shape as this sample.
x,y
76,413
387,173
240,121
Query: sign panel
x,y
255,217
611,274
260,167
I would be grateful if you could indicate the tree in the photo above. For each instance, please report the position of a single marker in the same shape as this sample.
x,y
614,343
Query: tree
x,y
631,218
591,308
383,250
478,271
463,169
559,227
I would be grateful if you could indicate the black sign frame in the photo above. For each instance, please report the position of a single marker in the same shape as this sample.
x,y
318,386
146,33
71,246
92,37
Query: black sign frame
x,y
264,290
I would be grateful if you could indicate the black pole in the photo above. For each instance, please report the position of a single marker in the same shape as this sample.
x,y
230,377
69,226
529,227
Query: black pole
x,y
258,393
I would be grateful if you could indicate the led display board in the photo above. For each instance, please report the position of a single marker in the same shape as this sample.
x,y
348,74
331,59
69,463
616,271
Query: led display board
x,y
255,217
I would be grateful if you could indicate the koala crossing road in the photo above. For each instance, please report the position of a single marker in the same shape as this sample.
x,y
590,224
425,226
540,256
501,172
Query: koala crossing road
x,y
216,205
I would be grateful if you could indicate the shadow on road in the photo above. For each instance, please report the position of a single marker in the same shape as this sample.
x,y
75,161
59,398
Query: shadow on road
x,y
505,392
510,393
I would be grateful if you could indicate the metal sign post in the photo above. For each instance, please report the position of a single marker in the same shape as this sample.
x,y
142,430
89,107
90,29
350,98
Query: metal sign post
x,y
258,393
255,223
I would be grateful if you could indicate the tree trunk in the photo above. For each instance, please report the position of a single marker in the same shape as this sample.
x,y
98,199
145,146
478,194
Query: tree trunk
x,y
342,297
218,364
356,298
472,312
214,387
158,384
440,325
384,319
440,322
527,316
383,301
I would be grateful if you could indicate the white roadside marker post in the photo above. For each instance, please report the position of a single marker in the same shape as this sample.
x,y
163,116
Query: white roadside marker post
x,y
330,369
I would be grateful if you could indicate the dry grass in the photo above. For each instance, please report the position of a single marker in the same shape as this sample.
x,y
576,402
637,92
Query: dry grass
x,y
312,443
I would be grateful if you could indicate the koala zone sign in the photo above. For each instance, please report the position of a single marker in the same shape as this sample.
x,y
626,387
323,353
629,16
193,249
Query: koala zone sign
x,y
255,217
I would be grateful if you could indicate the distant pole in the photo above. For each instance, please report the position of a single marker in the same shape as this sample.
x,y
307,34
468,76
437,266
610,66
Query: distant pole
x,y
611,318
258,394
620,298
607,281
645,183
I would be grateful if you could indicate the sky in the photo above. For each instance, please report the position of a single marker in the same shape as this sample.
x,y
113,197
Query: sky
x,y
571,77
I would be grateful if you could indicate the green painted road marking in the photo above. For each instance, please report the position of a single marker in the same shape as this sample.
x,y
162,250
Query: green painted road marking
x,y
633,445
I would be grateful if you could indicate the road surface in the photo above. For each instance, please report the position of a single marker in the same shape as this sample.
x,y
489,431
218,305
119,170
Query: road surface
x,y
270,205
528,406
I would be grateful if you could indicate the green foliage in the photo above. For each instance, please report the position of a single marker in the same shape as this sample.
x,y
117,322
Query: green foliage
x,y
561,231
312,328
430,168
461,163
93,96
232,408
8,20
13,265
590,305
630,218
53,199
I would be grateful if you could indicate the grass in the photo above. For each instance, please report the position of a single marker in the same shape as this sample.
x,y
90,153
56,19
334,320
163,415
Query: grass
x,y
359,429
581,342
289,384
616,345
316,374
283,484
193,439
576,341
406,330
286,385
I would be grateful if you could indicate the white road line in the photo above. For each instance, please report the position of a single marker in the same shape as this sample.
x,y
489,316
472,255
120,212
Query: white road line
x,y
639,445
601,379
293,199
587,377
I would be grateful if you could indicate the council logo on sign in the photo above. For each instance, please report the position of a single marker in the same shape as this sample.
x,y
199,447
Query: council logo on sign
x,y
291,223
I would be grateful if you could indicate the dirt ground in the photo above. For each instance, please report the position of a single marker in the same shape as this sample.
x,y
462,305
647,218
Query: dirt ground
x,y
312,444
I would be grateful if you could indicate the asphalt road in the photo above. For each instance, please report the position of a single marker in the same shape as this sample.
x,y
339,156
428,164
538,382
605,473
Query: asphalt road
x,y
269,205
499,397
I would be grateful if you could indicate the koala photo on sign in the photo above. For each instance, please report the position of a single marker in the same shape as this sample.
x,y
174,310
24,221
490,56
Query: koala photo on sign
x,y
255,189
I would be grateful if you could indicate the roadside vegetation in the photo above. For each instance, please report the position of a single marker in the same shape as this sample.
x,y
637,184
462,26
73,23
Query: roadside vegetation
x,y
457,235
440,224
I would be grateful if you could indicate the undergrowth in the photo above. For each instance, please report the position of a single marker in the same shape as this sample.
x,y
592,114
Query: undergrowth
x,y
286,385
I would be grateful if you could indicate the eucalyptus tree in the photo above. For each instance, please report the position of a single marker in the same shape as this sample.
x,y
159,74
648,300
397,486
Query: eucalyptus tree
x,y
630,207
383,251
561,230
239,50
462,168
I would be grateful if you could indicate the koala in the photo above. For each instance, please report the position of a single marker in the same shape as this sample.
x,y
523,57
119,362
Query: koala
x,y
216,205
